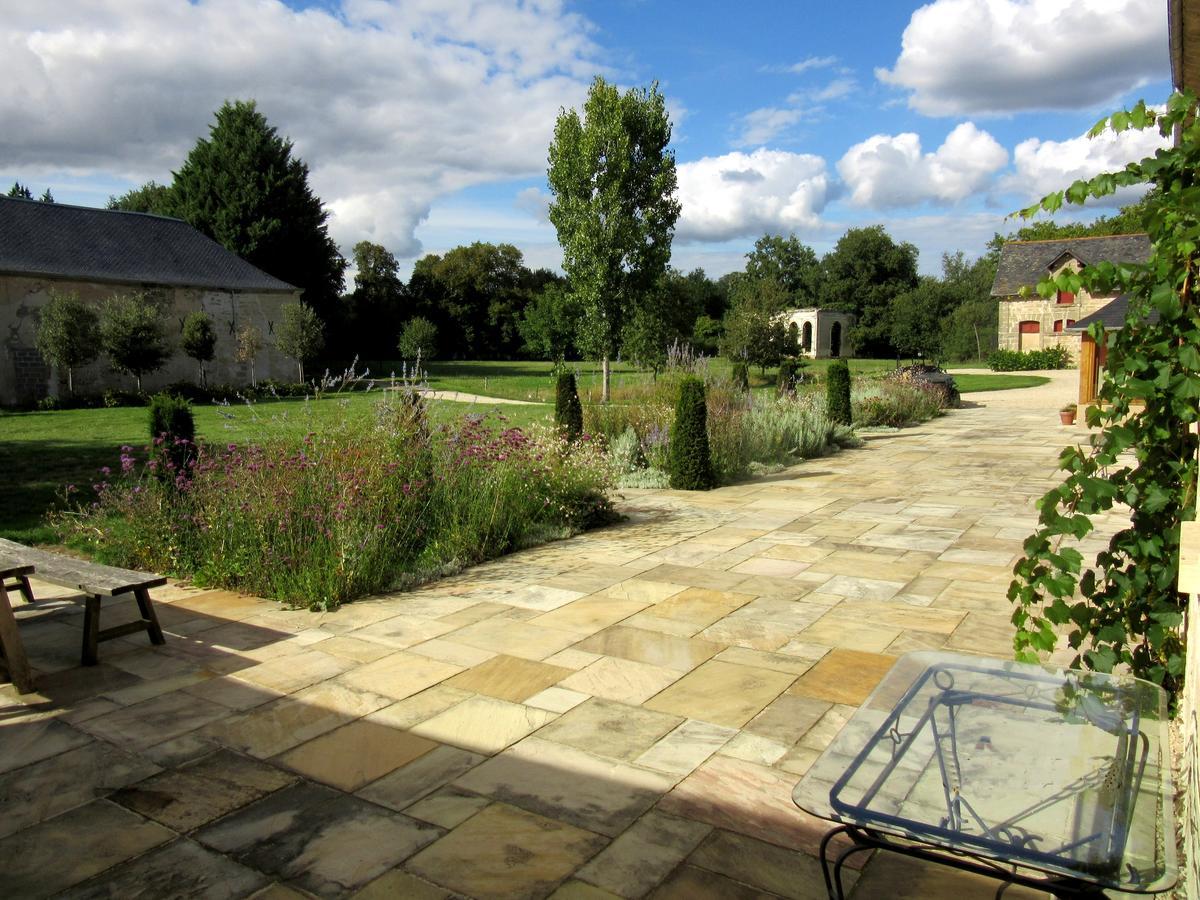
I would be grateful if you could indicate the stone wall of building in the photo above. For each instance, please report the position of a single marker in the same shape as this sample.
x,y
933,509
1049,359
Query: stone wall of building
x,y
25,377
819,325
1016,309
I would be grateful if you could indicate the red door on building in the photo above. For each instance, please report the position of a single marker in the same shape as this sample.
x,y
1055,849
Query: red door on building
x,y
1029,336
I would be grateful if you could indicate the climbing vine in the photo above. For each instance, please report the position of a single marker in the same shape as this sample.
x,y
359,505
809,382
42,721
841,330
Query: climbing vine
x,y
1123,609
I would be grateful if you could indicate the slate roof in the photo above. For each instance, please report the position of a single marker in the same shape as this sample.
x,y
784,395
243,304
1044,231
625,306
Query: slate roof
x,y
86,244
1111,314
1028,262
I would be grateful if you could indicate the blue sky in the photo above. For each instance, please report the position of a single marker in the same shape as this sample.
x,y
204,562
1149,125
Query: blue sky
x,y
425,123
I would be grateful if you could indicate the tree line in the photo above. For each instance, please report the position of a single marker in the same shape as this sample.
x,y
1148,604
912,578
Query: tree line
x,y
614,208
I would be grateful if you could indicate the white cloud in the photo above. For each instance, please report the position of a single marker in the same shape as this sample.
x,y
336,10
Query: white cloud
x,y
888,171
811,62
391,104
1046,166
747,194
971,57
762,125
534,201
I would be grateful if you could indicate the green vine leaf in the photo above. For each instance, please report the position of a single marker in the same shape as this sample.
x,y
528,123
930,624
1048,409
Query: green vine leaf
x,y
1123,607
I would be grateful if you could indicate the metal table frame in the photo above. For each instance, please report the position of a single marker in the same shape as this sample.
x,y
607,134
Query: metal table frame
x,y
946,843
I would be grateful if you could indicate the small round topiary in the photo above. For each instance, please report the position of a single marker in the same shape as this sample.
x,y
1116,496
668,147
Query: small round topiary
x,y
689,463
568,413
741,376
787,377
837,385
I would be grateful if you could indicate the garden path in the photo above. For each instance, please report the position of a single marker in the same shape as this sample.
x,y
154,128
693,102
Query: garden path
x,y
620,714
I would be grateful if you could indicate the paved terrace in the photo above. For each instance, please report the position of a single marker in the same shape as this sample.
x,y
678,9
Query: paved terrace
x,y
621,714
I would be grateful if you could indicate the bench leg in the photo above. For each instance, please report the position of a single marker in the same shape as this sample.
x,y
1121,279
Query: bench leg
x,y
148,615
11,646
91,630
21,583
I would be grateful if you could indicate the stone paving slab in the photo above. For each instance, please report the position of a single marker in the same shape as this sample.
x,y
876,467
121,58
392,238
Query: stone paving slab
x,y
623,714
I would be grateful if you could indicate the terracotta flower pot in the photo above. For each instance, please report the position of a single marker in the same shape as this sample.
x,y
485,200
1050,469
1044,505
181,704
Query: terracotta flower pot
x,y
1067,417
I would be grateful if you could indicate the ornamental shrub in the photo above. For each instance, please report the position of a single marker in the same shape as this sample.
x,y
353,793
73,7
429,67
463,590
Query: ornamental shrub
x,y
568,413
787,376
741,376
689,464
1018,361
172,432
837,392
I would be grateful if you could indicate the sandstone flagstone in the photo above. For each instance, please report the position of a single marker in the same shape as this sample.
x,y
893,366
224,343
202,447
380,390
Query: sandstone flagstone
x,y
561,782
23,743
447,807
355,754
44,789
504,852
483,724
622,680
765,866
607,728
326,842
196,794
633,864
181,869
843,676
509,678
750,799
399,676
722,693
63,851
424,775
650,647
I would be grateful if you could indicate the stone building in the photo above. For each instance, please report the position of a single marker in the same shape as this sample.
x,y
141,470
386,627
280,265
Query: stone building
x,y
1035,322
821,333
98,253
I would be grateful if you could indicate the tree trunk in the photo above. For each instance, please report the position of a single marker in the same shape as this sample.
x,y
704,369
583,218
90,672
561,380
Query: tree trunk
x,y
139,382
604,395
300,366
71,381
978,346
203,377
253,380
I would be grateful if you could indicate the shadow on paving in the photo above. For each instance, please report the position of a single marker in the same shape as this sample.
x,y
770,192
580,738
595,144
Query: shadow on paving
x,y
160,770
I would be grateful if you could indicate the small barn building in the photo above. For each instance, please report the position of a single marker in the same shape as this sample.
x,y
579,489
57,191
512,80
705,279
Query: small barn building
x,y
98,253
1034,322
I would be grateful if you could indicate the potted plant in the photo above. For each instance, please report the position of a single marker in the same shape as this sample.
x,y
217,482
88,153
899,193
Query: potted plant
x,y
1067,414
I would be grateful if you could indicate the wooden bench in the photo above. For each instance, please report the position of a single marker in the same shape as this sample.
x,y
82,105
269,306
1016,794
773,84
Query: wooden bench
x,y
18,562
12,650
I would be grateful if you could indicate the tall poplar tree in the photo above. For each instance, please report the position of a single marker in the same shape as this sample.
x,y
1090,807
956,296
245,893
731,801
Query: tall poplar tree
x,y
614,207
243,188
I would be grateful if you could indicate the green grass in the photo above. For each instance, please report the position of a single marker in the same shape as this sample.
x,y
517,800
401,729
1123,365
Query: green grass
x,y
970,382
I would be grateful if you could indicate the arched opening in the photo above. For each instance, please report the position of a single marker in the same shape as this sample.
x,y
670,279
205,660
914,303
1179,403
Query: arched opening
x,y
835,340
806,337
1029,336
793,338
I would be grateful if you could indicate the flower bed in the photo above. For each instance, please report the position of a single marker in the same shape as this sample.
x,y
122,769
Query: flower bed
x,y
352,510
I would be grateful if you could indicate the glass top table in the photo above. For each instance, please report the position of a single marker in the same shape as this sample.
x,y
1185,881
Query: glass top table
x,y
1059,779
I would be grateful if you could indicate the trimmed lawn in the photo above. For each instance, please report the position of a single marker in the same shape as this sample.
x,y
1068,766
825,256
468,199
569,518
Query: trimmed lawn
x,y
971,382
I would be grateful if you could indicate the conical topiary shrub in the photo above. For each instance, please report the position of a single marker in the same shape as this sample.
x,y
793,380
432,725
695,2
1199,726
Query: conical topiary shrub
x,y
568,413
837,387
741,376
787,377
689,463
